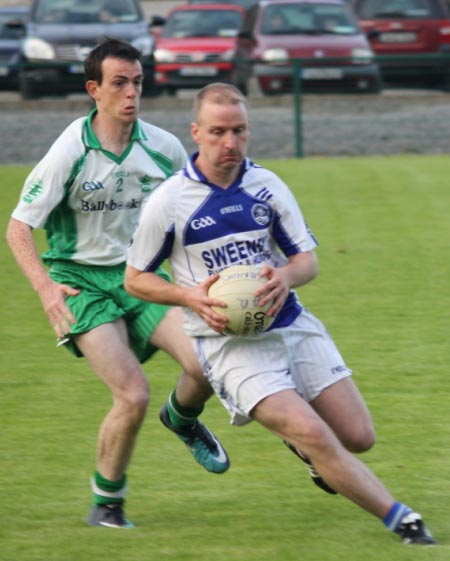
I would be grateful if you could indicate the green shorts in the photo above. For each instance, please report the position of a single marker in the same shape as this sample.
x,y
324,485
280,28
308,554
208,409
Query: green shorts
x,y
103,299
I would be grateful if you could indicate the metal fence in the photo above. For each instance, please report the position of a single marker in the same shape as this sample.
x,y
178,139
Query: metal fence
x,y
432,71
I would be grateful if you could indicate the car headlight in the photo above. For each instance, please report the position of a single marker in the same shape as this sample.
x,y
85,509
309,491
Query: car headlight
x,y
164,55
362,56
272,55
144,44
228,55
37,49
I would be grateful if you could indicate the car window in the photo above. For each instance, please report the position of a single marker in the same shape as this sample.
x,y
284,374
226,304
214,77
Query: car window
x,y
410,9
287,19
202,23
86,11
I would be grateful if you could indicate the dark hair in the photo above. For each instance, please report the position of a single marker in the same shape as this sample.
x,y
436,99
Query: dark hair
x,y
108,47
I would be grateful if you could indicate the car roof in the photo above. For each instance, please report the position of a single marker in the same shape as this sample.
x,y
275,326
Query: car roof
x,y
15,10
246,4
209,6
336,2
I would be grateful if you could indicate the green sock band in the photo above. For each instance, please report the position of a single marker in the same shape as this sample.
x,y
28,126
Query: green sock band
x,y
181,416
106,491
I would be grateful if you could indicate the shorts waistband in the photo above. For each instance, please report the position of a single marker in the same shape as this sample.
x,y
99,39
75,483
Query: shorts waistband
x,y
73,265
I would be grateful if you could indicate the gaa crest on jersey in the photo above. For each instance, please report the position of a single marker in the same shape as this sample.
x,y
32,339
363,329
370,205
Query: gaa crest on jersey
x,y
33,192
261,214
146,183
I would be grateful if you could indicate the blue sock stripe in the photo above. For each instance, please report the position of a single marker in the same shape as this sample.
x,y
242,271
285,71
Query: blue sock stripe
x,y
395,515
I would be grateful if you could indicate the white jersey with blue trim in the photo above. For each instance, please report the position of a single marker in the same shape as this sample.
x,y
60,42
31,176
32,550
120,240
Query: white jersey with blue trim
x,y
204,229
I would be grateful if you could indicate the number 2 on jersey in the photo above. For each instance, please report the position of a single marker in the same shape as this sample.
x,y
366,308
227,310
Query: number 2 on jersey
x,y
119,184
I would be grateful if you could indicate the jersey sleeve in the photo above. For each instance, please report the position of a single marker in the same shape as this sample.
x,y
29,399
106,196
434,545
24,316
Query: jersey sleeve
x,y
46,184
290,230
153,238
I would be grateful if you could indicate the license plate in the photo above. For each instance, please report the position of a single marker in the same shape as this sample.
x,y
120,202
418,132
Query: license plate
x,y
198,71
398,37
76,69
321,73
4,71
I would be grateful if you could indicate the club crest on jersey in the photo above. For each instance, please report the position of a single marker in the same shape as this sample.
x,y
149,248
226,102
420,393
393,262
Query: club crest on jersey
x,y
203,222
146,184
261,214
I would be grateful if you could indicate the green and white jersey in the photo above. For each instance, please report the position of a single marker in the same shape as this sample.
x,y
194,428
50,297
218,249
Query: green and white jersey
x,y
87,199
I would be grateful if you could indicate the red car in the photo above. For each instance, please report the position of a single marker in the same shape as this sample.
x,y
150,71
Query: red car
x,y
322,37
411,37
196,46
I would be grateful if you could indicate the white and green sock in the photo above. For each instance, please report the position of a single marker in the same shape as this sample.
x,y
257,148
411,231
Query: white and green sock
x,y
106,491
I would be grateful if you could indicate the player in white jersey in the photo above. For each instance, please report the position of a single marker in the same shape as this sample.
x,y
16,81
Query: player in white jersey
x,y
222,210
87,193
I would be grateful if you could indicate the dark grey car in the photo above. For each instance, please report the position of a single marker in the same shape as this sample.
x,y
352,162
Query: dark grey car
x,y
60,34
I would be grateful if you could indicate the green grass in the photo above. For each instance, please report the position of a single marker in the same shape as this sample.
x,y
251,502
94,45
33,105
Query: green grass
x,y
384,231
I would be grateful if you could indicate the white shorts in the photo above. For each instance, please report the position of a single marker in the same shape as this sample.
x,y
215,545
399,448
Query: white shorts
x,y
245,370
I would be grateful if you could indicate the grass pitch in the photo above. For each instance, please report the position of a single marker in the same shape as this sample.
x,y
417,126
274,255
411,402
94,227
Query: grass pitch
x,y
383,293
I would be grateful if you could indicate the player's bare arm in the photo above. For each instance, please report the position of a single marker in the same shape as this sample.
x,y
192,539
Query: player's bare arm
x,y
151,287
300,269
52,295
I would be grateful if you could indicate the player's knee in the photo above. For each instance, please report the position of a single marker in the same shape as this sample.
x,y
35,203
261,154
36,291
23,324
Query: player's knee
x,y
311,435
134,402
360,440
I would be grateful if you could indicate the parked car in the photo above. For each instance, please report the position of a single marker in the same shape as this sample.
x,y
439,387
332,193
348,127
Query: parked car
x,y
196,46
411,38
61,33
10,37
335,53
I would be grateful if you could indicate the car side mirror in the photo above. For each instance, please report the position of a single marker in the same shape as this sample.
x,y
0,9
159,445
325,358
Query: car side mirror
x,y
157,21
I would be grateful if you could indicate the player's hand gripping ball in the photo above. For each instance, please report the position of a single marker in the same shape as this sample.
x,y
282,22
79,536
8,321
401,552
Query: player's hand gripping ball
x,y
236,287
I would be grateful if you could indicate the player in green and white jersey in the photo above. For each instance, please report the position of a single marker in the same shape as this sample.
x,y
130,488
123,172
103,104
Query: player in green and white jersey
x,y
87,193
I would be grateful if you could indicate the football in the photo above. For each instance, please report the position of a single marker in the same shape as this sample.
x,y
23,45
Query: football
x,y
236,287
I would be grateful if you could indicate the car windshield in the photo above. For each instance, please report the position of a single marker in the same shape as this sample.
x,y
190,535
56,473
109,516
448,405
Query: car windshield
x,y
86,11
410,9
202,23
311,19
9,32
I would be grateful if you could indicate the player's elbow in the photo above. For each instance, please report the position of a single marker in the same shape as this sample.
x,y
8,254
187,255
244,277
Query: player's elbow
x,y
309,266
130,281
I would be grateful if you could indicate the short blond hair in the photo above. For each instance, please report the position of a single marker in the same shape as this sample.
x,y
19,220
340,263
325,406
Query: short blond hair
x,y
219,93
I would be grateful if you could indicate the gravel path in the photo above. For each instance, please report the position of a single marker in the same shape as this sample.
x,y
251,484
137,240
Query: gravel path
x,y
390,123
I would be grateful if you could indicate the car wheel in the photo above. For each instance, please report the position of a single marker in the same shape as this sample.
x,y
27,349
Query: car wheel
x,y
241,84
27,88
376,88
270,92
172,92
151,90
446,83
